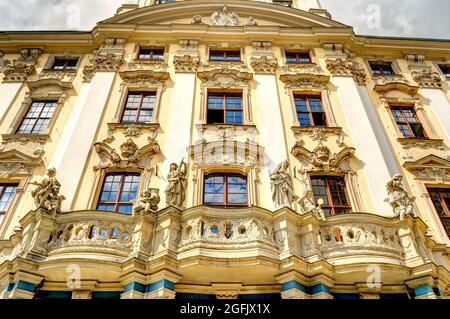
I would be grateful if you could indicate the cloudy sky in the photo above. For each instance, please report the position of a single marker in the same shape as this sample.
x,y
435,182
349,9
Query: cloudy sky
x,y
403,18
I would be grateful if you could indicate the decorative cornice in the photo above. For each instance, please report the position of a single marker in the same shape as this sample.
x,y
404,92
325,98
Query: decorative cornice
x,y
264,64
144,77
321,158
225,78
347,67
305,81
101,62
186,63
18,72
427,79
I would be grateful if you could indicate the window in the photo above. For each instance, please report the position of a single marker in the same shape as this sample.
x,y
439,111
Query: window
x,y
333,192
139,107
118,192
441,201
225,190
7,192
61,64
163,1
298,57
445,68
283,3
37,117
151,54
407,122
225,55
310,111
381,68
225,108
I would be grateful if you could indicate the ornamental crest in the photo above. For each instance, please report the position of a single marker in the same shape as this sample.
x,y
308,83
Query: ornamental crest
x,y
225,18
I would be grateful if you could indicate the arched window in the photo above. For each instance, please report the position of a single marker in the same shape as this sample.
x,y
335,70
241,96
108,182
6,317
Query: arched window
x,y
228,190
118,192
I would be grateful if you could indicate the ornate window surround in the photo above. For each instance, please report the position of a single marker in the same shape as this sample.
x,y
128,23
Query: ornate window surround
x,y
308,84
310,51
319,162
421,115
131,160
16,167
48,72
226,80
40,90
431,171
394,64
249,167
143,81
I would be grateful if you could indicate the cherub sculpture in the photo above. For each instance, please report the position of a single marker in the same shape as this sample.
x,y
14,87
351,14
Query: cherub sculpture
x,y
148,201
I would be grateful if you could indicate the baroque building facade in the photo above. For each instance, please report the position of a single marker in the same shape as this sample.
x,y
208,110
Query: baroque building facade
x,y
206,149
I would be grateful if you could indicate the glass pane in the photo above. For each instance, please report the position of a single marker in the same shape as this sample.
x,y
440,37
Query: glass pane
x,y
234,102
215,101
315,104
301,104
304,119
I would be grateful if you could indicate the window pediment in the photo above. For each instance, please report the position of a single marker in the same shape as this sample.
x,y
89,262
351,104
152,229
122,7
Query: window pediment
x,y
225,78
430,167
46,88
16,162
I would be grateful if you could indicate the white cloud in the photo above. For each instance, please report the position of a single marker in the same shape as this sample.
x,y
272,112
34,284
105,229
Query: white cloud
x,y
409,18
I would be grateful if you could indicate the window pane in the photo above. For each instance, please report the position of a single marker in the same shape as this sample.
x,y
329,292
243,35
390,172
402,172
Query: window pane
x,y
234,102
7,193
304,119
119,190
37,117
301,104
216,101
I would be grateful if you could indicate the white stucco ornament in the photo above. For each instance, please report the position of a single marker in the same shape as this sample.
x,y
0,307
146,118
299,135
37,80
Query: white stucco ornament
x,y
399,199
225,17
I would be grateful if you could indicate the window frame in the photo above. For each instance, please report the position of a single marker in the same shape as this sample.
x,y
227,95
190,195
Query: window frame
x,y
446,208
279,3
310,112
442,70
405,121
65,68
224,95
380,64
2,192
142,94
155,2
226,203
123,175
333,207
51,61
224,51
298,54
24,117
151,49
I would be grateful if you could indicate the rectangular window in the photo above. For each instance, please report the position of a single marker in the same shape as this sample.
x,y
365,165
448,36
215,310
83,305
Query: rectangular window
x,y
139,107
310,110
407,122
7,192
225,108
118,192
445,68
151,54
61,64
225,190
225,55
298,57
441,201
37,118
283,3
163,1
381,68
332,191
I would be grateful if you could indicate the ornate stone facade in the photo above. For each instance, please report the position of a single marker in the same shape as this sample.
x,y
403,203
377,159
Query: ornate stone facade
x,y
222,149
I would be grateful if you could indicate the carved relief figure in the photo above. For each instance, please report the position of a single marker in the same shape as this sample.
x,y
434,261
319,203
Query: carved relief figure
x,y
175,192
46,195
282,186
225,18
398,198
148,201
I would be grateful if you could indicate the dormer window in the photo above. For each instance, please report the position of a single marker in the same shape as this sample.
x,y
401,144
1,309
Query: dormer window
x,y
151,54
225,55
298,57
382,68
62,64
283,3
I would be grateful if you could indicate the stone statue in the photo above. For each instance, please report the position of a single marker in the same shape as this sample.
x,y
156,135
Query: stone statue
x,y
282,185
307,205
175,192
225,18
46,195
147,202
251,21
398,198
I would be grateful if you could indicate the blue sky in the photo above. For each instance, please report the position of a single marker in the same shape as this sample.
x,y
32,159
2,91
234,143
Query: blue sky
x,y
404,18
